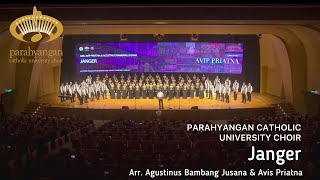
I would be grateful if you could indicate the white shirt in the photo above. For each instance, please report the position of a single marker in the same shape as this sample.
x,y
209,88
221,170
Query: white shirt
x,y
211,87
250,89
65,88
91,89
217,87
71,89
207,84
97,87
160,95
78,88
228,90
227,82
83,91
244,89
216,81
61,89
223,89
236,86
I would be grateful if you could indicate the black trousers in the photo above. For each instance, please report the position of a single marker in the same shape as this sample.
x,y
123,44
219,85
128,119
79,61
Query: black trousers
x,y
222,97
98,95
244,99
227,98
72,98
160,103
79,98
210,94
217,95
62,98
82,97
235,94
92,96
68,94
102,94
249,96
86,97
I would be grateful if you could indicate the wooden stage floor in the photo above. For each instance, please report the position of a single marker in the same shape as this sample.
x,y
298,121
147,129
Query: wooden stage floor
x,y
258,101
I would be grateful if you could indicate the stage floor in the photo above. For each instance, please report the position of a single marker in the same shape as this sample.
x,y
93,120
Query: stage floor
x,y
258,101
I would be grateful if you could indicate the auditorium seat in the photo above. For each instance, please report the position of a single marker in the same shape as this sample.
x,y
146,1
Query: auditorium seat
x,y
119,145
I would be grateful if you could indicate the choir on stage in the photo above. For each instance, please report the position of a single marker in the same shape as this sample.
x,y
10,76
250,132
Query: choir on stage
x,y
143,87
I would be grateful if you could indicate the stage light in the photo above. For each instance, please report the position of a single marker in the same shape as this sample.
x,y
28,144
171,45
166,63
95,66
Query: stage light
x,y
158,36
194,37
123,37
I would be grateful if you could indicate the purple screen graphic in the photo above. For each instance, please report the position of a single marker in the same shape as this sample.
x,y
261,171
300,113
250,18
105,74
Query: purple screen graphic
x,y
188,57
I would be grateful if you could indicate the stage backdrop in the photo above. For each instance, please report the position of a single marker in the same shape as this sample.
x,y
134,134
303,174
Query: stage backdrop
x,y
234,56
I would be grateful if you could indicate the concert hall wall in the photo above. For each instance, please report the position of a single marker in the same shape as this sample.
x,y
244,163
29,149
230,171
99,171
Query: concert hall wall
x,y
250,66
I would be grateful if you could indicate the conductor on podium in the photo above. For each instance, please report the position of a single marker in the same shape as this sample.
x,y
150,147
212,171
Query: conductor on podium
x,y
160,96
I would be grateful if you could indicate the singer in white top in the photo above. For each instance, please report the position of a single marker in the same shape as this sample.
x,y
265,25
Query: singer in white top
x,y
228,91
71,92
227,82
65,90
222,92
217,89
211,89
62,92
206,86
244,93
235,88
94,88
216,80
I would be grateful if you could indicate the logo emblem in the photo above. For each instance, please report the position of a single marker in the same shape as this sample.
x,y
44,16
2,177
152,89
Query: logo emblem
x,y
35,27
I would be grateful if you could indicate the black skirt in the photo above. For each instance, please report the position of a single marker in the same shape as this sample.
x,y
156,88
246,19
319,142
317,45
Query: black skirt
x,y
201,94
151,94
124,94
184,94
137,94
112,94
191,94
131,94
165,93
178,94
171,94
118,94
144,94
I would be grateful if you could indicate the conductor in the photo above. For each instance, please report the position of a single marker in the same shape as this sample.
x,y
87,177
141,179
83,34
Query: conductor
x,y
160,96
